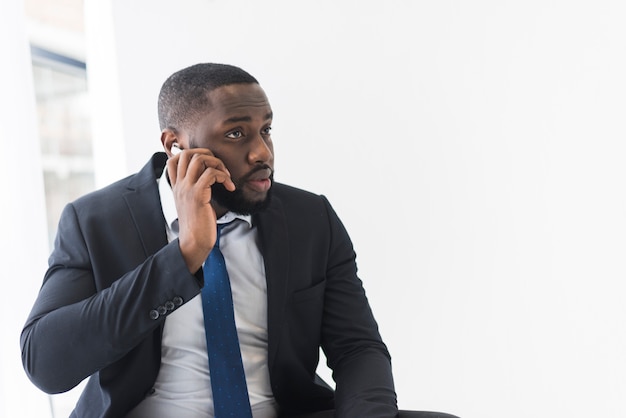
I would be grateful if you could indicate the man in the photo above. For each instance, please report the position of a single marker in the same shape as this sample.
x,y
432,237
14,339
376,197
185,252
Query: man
x,y
123,302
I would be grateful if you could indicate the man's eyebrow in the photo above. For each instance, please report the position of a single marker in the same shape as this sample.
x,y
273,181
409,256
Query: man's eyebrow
x,y
236,119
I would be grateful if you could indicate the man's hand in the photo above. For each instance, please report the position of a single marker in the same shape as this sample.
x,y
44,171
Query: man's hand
x,y
192,173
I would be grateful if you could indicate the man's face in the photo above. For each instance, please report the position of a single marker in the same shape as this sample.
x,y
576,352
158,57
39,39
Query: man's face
x,y
236,128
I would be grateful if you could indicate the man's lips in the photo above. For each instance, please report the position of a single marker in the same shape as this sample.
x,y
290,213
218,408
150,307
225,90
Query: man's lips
x,y
259,180
262,185
260,174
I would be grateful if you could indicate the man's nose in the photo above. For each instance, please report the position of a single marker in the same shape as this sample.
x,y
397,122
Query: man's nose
x,y
261,150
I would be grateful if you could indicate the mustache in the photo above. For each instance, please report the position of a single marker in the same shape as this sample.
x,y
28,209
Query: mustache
x,y
250,173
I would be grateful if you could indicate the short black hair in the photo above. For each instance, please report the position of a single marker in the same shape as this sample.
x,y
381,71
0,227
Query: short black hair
x,y
184,95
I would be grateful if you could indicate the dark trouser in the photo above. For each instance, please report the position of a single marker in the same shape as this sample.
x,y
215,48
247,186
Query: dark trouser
x,y
403,414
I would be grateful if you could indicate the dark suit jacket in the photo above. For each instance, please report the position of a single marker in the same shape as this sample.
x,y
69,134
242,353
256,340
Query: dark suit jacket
x,y
112,267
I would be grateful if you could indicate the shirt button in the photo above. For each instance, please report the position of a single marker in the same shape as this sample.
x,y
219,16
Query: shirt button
x,y
154,314
169,305
177,301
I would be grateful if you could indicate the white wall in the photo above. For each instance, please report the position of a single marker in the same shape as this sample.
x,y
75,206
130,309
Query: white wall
x,y
474,151
24,246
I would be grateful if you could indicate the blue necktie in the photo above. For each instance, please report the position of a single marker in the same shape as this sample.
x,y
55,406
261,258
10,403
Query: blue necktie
x,y
228,382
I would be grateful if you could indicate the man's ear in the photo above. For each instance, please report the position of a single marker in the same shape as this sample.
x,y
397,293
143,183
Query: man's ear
x,y
168,138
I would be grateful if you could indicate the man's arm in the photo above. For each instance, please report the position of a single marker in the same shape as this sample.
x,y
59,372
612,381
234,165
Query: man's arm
x,y
102,294
359,359
79,324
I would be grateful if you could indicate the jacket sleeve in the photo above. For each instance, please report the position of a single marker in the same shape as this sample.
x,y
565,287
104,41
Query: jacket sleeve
x,y
354,349
86,318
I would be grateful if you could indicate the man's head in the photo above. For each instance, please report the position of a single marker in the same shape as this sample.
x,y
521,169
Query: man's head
x,y
224,109
184,95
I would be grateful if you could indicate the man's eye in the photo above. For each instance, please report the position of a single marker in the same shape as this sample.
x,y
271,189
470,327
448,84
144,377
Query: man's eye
x,y
234,135
267,131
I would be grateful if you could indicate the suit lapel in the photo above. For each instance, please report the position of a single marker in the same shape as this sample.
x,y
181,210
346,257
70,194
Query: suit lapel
x,y
144,205
274,238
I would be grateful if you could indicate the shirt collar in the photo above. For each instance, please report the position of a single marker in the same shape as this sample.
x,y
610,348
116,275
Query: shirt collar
x,y
169,206
231,216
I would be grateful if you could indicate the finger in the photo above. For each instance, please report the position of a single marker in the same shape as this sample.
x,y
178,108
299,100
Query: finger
x,y
213,175
197,165
219,166
211,160
190,164
200,163
184,158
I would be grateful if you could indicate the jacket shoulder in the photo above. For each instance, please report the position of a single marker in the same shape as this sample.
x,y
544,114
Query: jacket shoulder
x,y
298,201
286,191
113,194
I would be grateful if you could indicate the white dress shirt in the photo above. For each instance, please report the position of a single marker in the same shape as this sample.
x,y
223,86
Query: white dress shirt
x,y
183,386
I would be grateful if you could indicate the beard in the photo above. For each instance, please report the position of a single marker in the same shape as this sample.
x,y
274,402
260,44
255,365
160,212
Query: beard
x,y
236,201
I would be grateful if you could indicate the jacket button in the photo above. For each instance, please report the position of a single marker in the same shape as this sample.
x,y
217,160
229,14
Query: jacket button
x,y
161,310
169,305
177,300
154,314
